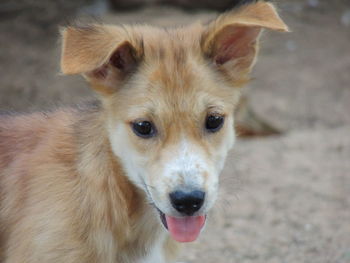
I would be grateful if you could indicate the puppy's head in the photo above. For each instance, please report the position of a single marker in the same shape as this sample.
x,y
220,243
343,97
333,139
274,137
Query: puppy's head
x,y
169,96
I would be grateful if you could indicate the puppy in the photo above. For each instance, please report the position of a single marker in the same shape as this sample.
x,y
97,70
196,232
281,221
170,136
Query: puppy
x,y
128,178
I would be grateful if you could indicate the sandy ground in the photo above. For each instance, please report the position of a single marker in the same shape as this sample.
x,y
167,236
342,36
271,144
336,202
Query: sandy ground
x,y
284,198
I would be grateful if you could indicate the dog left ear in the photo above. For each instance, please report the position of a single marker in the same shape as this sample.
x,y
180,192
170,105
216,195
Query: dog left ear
x,y
105,55
231,40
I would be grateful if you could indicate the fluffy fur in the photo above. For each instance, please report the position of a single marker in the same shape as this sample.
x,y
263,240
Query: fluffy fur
x,y
77,184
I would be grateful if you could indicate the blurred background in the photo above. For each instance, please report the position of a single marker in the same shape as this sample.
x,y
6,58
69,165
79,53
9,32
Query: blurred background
x,y
285,191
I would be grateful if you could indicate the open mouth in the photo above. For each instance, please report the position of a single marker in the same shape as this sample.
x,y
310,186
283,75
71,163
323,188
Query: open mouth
x,y
183,229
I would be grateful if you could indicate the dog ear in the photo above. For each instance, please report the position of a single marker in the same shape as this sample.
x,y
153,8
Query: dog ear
x,y
105,55
231,40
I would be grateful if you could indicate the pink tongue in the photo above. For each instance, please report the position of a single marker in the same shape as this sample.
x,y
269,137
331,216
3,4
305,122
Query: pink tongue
x,y
185,229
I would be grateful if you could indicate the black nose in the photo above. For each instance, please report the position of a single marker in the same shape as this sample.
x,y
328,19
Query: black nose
x,y
187,203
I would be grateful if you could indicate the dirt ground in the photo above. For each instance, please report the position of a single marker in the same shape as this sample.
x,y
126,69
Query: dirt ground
x,y
283,198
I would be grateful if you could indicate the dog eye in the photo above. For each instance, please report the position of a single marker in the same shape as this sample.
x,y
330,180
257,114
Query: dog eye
x,y
144,129
213,123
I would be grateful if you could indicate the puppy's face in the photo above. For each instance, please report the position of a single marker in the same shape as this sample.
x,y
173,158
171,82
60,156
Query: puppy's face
x,y
170,97
172,126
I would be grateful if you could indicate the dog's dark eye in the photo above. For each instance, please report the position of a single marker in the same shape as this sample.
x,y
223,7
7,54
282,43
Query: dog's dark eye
x,y
213,123
144,129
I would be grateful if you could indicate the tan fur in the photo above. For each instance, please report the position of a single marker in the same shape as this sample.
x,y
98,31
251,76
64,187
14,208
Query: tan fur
x,y
68,192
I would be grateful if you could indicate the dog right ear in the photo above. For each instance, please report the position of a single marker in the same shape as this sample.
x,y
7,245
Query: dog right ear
x,y
105,55
231,41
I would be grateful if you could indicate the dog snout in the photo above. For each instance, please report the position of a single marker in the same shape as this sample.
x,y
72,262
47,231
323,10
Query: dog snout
x,y
187,203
